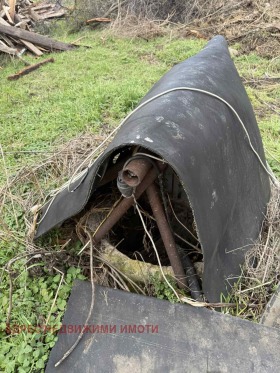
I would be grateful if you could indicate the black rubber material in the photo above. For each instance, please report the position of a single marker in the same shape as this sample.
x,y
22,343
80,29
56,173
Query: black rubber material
x,y
192,277
202,140
188,339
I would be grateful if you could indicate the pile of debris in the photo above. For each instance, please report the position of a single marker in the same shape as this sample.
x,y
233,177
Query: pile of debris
x,y
25,14
17,21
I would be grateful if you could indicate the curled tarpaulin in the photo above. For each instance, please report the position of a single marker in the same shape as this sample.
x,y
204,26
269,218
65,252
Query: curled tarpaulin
x,y
203,140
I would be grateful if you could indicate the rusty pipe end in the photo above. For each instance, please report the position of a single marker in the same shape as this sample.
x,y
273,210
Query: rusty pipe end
x,y
130,178
134,171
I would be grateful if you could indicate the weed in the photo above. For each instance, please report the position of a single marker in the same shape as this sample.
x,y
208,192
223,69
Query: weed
x,y
162,290
27,339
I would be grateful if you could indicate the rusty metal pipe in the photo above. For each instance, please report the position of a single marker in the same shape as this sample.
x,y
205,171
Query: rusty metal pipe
x,y
134,171
125,204
166,235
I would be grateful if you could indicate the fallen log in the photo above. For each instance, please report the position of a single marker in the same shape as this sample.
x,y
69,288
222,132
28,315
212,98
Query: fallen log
x,y
39,40
29,69
138,271
28,45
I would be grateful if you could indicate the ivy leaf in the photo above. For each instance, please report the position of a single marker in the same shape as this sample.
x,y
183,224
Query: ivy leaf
x,y
40,364
28,349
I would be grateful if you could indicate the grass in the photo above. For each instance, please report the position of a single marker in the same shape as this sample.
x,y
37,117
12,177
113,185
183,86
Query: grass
x,y
88,87
85,90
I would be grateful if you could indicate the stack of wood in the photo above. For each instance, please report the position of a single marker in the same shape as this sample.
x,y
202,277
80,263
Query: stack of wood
x,y
31,13
17,18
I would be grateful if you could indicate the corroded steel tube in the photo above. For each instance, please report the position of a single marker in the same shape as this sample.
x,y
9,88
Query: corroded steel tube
x,y
134,171
166,235
125,204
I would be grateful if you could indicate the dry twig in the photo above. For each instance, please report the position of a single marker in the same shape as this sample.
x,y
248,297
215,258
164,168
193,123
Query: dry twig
x,y
80,336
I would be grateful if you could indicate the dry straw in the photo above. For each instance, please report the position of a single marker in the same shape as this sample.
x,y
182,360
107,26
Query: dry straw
x,y
252,24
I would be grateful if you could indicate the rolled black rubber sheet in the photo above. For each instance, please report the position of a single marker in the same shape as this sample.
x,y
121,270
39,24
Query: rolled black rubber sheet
x,y
198,129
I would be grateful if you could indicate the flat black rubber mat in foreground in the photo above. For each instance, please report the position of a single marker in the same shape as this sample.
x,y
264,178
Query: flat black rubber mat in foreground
x,y
151,335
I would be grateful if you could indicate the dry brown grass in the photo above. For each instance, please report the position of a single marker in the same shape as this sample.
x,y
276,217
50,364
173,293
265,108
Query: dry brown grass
x,y
255,25
132,26
38,182
266,251
261,271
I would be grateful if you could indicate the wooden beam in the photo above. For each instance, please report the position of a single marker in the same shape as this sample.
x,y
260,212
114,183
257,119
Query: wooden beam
x,y
42,7
52,14
98,20
29,69
6,10
28,45
34,38
3,22
4,48
7,41
32,48
33,15
12,4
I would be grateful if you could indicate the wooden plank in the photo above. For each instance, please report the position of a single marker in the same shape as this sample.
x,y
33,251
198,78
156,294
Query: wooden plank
x,y
42,49
12,4
14,41
42,7
13,51
3,22
24,12
32,47
98,20
37,39
7,40
52,14
4,48
21,24
34,16
28,44
7,14
29,69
